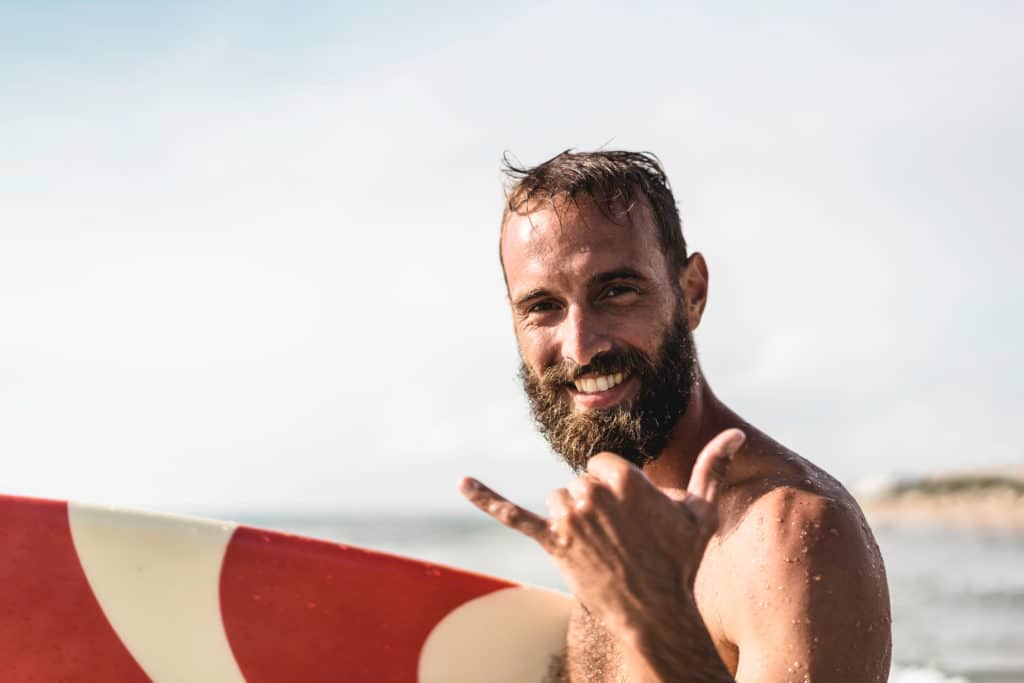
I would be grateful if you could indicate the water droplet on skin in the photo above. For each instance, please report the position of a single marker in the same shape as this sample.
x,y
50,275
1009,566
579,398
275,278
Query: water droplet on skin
x,y
817,577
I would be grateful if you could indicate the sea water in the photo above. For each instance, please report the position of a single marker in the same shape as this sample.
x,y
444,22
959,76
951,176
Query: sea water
x,y
957,596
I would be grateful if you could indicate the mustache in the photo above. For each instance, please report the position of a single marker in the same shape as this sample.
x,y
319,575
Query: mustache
x,y
630,361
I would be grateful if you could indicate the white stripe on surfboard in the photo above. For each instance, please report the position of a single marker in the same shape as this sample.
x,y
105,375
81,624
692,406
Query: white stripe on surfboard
x,y
157,579
508,636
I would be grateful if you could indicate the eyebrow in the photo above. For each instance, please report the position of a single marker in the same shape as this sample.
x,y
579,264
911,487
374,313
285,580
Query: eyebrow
x,y
599,279
531,295
618,274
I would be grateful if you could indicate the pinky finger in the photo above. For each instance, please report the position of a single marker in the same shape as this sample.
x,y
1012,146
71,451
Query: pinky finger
x,y
505,511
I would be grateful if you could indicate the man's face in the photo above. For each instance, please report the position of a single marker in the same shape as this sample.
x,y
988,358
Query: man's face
x,y
607,356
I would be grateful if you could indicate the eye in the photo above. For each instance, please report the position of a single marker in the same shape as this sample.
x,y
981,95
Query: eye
x,y
619,292
541,307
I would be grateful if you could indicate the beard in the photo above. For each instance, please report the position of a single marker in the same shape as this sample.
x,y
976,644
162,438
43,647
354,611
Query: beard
x,y
638,430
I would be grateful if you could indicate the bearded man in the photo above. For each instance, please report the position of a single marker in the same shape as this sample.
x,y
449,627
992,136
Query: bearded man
x,y
699,548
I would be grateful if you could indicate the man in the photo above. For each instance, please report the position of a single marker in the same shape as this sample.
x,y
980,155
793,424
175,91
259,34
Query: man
x,y
699,548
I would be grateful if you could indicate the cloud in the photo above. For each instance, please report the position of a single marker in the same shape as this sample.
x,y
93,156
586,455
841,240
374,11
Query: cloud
x,y
239,276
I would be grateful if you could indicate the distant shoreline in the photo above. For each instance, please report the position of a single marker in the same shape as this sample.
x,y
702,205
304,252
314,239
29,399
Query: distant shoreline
x,y
981,500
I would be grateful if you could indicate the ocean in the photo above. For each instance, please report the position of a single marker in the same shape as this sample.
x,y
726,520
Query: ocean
x,y
957,596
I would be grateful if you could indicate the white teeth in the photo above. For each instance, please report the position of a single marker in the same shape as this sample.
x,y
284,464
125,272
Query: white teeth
x,y
592,385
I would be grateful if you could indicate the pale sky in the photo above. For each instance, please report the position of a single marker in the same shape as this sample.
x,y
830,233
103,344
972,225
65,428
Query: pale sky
x,y
248,252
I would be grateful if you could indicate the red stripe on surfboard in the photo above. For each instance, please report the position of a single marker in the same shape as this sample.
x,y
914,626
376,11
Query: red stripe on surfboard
x,y
297,609
51,626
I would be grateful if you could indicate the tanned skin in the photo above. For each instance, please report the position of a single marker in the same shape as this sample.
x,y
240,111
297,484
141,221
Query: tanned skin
x,y
728,558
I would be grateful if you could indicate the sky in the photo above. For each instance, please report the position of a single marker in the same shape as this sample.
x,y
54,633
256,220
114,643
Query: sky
x,y
248,251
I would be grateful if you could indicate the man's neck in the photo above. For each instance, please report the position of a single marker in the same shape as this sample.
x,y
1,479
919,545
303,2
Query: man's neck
x,y
705,417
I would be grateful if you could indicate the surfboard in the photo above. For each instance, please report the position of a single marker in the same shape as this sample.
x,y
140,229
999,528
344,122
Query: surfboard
x,y
91,593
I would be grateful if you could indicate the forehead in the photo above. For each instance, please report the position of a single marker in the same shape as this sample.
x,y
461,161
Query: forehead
x,y
567,241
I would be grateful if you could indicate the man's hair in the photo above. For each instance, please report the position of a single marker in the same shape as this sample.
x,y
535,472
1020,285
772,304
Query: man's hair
x,y
613,180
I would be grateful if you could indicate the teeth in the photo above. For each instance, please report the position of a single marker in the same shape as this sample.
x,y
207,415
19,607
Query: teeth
x,y
592,385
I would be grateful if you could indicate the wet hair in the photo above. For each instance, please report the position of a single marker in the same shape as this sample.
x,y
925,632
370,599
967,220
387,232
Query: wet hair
x,y
613,180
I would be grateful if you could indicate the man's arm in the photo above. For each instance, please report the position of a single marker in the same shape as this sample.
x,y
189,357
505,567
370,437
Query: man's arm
x,y
808,599
671,645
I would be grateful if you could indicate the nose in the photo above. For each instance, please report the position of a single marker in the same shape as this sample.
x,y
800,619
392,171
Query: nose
x,y
581,337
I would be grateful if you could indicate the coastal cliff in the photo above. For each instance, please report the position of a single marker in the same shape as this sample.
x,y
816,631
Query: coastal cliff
x,y
991,499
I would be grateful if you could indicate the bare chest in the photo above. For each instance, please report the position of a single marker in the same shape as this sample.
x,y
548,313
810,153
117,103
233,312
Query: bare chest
x,y
592,654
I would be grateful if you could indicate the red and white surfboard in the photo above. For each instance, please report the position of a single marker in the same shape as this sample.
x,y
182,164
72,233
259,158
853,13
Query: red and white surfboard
x,y
98,594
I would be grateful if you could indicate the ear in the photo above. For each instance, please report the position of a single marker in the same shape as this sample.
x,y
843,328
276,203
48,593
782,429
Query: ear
x,y
693,280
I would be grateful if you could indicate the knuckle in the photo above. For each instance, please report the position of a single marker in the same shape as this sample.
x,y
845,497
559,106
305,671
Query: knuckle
x,y
513,515
599,494
718,466
584,505
573,522
629,479
584,490
617,479
558,501
506,512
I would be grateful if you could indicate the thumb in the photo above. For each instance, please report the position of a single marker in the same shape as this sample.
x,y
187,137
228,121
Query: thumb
x,y
709,470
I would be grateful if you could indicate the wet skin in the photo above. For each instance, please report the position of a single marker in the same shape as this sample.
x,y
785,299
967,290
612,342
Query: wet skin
x,y
727,558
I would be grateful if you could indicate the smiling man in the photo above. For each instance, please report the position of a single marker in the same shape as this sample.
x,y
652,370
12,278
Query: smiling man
x,y
698,547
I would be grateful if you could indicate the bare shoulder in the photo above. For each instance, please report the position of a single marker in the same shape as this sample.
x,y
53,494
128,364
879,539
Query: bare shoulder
x,y
799,572
796,506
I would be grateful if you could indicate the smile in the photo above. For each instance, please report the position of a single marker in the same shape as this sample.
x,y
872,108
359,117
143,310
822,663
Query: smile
x,y
592,385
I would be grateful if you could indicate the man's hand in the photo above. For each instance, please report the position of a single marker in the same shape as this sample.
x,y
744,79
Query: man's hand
x,y
624,546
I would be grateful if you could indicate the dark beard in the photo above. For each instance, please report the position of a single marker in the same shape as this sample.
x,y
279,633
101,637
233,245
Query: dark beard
x,y
638,430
